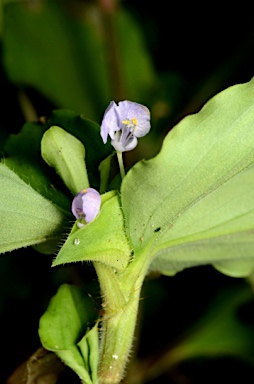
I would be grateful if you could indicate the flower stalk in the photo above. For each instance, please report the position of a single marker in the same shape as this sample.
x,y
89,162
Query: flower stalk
x,y
120,162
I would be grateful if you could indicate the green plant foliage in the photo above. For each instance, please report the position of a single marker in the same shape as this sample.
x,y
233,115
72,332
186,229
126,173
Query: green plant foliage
x,y
89,348
104,169
193,203
68,51
62,329
217,230
23,157
23,152
66,154
138,75
27,218
101,240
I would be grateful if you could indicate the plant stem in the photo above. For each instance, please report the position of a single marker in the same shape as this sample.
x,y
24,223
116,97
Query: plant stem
x,y
121,293
120,162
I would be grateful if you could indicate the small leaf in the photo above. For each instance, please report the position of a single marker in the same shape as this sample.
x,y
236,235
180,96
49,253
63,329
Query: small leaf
x,y
27,218
63,325
194,186
101,240
104,169
89,348
67,155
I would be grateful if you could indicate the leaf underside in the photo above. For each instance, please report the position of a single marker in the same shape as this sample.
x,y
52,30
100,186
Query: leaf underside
x,y
193,203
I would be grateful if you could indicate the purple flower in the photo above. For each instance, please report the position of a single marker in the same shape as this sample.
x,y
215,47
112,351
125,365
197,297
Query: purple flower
x,y
86,205
123,123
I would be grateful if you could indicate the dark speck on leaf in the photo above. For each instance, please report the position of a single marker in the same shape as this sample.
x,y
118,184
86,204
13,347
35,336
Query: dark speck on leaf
x,y
157,229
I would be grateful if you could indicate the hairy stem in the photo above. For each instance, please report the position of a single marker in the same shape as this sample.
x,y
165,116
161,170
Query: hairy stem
x,y
120,294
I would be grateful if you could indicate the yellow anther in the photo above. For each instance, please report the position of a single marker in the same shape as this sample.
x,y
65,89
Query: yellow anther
x,y
127,122
130,122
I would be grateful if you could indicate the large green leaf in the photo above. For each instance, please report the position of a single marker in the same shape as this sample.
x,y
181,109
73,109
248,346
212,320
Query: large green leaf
x,y
27,218
218,229
193,193
62,328
67,155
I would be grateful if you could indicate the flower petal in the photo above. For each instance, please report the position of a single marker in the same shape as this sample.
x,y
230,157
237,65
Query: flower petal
x,y
137,113
129,118
118,145
109,122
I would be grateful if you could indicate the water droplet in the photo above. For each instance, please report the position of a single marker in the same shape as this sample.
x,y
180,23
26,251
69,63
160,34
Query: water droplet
x,y
76,241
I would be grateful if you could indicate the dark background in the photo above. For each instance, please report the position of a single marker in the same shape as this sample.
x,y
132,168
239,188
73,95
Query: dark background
x,y
203,49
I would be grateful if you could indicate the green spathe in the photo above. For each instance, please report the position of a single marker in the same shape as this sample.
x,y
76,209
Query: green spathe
x,y
102,240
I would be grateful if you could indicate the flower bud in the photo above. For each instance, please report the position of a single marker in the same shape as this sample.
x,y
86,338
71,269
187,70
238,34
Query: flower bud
x,y
86,205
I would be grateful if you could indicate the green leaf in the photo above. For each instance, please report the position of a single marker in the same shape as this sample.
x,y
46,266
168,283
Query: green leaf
x,y
102,240
66,154
89,348
192,204
218,230
27,218
63,325
104,169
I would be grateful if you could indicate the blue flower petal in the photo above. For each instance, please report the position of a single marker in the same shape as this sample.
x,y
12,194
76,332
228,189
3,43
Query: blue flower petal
x,y
124,123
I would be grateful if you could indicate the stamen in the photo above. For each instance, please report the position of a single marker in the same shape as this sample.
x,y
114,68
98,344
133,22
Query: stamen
x,y
126,122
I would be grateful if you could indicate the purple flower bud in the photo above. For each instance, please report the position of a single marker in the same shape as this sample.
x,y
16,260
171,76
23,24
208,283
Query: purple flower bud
x,y
86,205
123,123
